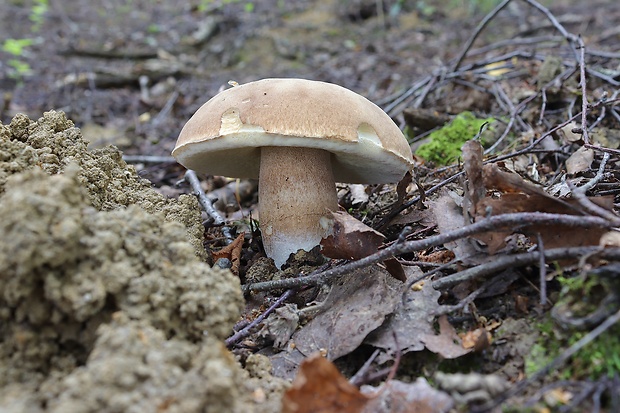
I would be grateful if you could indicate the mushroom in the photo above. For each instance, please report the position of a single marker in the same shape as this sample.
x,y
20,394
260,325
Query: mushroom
x,y
298,137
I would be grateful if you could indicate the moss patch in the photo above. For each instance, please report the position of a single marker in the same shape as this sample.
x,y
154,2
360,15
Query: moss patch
x,y
445,144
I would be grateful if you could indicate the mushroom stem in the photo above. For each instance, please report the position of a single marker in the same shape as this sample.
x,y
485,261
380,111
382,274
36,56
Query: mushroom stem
x,y
296,189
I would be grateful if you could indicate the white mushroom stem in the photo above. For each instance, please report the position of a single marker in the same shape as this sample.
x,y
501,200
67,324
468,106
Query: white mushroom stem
x,y
296,189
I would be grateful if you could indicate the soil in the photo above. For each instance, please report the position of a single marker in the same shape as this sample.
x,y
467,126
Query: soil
x,y
108,300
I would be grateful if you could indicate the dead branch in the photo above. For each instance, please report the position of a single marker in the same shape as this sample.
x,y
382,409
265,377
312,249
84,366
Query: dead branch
x,y
510,261
515,220
206,204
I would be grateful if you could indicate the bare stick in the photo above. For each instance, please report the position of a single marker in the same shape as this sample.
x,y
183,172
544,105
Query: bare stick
x,y
542,270
571,38
584,97
206,204
247,330
516,260
515,221
477,32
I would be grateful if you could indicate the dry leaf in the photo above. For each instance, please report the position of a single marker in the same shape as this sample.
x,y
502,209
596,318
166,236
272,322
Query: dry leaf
x,y
476,340
413,325
351,239
445,343
580,160
281,325
514,194
472,162
320,388
232,252
356,305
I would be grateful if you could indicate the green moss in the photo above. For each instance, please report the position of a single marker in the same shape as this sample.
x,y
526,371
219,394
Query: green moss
x,y
445,144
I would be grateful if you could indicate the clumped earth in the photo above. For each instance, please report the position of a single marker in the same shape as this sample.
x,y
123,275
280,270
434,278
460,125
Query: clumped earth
x,y
106,302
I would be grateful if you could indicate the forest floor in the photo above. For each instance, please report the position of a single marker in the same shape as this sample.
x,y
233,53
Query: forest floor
x,y
518,313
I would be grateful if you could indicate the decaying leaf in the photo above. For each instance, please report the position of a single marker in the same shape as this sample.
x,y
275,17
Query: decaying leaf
x,y
449,217
511,193
356,305
233,252
351,239
580,160
472,163
319,387
413,325
281,325
399,397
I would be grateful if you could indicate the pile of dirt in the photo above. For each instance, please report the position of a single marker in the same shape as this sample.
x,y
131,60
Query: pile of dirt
x,y
105,302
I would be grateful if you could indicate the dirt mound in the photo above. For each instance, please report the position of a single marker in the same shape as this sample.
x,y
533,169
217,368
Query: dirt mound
x,y
105,303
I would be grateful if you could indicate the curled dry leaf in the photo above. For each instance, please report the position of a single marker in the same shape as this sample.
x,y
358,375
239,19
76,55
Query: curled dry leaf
x,y
232,252
319,387
511,193
413,325
351,239
580,160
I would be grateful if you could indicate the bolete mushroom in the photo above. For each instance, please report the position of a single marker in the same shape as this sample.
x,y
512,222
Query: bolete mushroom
x,y
298,137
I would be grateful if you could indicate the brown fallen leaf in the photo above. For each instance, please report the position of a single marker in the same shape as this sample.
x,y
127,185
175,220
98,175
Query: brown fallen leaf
x,y
580,160
512,193
351,239
356,305
320,388
233,252
413,324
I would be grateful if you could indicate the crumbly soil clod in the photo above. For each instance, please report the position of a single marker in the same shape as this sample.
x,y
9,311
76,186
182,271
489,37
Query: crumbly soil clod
x,y
105,301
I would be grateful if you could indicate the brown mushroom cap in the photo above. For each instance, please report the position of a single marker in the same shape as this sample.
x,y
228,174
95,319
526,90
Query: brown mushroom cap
x,y
225,135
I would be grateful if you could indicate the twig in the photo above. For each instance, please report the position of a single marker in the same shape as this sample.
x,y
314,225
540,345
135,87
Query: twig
x,y
570,38
584,97
515,221
477,32
557,362
516,260
148,159
247,330
206,204
358,378
542,271
597,178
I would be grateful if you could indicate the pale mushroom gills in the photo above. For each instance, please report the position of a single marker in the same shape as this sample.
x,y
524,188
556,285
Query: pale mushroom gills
x,y
298,137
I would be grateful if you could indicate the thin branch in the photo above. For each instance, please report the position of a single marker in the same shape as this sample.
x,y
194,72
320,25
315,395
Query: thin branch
x,y
483,23
515,221
247,330
504,262
584,90
206,204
